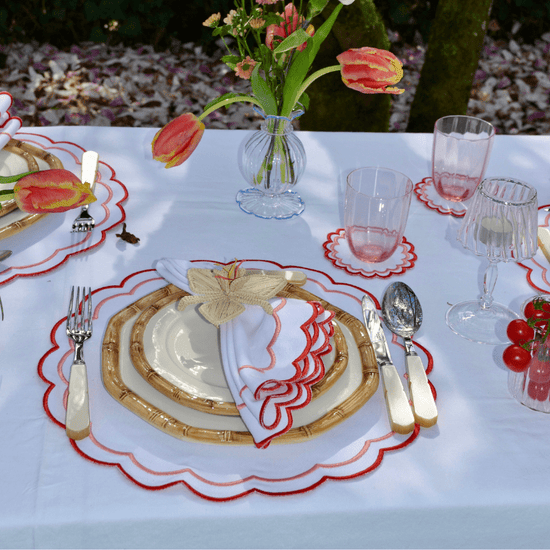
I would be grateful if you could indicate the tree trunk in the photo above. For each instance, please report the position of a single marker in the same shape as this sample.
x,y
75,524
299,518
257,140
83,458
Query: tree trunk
x,y
333,106
452,58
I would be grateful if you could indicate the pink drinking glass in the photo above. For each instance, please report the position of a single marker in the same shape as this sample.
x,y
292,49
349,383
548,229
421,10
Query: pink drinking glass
x,y
376,212
461,150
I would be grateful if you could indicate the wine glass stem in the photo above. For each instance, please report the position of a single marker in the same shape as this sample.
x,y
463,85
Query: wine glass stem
x,y
489,281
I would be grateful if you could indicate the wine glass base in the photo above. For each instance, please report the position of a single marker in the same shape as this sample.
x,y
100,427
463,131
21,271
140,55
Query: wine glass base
x,y
484,326
280,207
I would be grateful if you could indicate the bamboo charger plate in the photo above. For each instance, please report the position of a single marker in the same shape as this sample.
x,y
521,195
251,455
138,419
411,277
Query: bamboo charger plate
x,y
116,354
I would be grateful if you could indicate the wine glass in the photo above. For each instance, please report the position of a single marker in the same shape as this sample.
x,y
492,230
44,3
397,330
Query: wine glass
x,y
501,224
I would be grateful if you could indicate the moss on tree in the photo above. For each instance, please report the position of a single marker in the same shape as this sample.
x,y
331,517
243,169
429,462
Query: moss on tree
x,y
333,106
452,58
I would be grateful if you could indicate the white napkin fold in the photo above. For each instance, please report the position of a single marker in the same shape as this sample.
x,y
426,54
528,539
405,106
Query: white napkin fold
x,y
270,361
9,125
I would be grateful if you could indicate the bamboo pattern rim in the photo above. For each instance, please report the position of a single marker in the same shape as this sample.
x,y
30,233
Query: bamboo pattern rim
x,y
116,387
179,395
29,153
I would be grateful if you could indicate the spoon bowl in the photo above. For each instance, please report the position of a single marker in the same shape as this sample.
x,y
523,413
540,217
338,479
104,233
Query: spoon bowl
x,y
401,310
4,254
402,313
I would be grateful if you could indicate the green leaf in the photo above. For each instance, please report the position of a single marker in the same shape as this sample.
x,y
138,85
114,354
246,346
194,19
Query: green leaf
x,y
315,7
303,61
231,61
263,92
296,39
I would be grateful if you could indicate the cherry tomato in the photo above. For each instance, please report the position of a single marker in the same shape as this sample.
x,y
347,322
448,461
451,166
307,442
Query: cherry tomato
x,y
536,305
538,390
516,358
540,315
519,331
529,309
539,371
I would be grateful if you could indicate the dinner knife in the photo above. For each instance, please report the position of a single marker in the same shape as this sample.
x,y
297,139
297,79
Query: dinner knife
x,y
399,411
90,160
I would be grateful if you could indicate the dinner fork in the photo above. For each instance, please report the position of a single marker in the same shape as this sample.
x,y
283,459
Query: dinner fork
x,y
84,222
79,329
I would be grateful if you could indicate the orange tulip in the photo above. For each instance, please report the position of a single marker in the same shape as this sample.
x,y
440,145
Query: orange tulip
x,y
370,70
51,191
174,143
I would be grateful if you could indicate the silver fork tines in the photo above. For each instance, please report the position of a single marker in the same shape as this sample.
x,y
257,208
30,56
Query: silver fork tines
x,y
79,329
84,222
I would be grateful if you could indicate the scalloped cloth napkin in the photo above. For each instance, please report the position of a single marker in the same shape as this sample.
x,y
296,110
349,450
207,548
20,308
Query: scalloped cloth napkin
x,y
271,347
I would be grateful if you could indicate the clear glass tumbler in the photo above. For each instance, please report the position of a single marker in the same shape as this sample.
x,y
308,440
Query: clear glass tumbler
x,y
461,150
376,212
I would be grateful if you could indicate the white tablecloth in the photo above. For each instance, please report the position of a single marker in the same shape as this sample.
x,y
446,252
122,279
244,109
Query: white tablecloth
x,y
481,478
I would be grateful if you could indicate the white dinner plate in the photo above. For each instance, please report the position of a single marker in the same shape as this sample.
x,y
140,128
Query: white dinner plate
x,y
182,348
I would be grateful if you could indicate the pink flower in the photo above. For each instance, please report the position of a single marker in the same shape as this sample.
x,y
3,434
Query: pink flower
x,y
51,191
174,143
266,1
245,67
292,20
370,70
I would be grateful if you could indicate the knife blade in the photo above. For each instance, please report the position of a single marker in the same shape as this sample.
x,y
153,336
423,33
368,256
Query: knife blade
x,y
399,411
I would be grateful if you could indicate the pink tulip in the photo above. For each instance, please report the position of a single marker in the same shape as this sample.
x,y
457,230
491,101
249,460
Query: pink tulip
x,y
174,143
292,19
51,191
370,70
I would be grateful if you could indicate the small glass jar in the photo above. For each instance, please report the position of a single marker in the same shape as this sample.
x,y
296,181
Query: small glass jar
x,y
532,386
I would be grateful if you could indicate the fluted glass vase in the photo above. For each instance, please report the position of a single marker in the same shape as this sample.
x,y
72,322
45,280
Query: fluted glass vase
x,y
272,161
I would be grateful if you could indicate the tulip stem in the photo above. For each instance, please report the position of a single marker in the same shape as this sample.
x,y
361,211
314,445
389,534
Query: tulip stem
x,y
228,101
4,180
7,195
315,76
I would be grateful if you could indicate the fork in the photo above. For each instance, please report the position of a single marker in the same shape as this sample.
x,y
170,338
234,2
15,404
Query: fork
x,y
79,329
84,222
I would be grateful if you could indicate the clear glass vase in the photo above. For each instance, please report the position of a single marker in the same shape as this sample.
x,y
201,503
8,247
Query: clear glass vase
x,y
272,160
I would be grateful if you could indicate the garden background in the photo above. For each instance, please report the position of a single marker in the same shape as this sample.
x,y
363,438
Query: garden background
x,y
143,62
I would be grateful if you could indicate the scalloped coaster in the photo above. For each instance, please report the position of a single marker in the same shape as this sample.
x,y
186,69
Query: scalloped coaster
x,y
337,251
426,193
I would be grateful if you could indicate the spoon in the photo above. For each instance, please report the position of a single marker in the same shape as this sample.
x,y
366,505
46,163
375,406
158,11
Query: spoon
x,y
4,254
402,314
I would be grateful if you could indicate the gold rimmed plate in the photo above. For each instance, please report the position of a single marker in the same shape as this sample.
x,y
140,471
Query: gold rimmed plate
x,y
347,395
173,350
18,157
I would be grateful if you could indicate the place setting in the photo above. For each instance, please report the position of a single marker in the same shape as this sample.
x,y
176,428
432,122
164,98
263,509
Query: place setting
x,y
36,226
239,377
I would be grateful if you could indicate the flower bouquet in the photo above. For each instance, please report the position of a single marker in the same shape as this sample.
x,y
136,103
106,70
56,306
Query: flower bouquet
x,y
275,51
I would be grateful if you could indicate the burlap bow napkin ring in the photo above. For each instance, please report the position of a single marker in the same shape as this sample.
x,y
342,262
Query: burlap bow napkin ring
x,y
224,292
